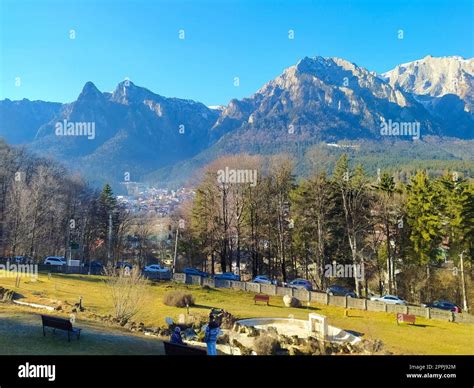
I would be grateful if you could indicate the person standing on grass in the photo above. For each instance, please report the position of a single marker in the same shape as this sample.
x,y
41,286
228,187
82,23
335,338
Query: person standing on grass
x,y
210,337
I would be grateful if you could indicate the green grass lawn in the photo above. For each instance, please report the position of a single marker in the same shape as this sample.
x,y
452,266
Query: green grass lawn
x,y
427,337
21,334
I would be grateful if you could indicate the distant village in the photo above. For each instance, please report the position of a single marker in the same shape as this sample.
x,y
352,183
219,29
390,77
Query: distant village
x,y
143,198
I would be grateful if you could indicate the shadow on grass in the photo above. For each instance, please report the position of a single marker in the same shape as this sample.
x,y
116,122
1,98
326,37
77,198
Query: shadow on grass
x,y
85,278
302,309
416,325
353,332
22,334
203,307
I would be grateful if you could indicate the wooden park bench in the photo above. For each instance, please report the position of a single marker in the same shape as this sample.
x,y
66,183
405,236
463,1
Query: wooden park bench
x,y
183,350
408,318
261,298
60,324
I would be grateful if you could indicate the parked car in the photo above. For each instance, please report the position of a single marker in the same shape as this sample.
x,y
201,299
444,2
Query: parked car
x,y
263,279
21,259
94,265
389,299
301,283
55,260
340,291
123,265
444,305
196,272
155,268
227,276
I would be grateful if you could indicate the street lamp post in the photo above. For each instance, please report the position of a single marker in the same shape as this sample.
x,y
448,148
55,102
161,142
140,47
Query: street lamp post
x,y
175,250
180,226
109,238
109,234
464,297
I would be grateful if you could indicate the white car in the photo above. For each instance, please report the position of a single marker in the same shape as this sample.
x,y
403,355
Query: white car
x,y
155,268
389,299
263,279
55,260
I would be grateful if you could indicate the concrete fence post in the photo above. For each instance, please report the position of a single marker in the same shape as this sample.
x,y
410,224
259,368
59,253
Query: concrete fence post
x,y
326,301
428,312
345,301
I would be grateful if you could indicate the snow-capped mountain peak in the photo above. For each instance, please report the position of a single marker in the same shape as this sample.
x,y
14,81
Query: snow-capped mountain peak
x,y
436,77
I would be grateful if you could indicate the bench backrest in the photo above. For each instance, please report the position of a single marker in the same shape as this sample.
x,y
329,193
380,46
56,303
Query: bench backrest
x,y
182,350
56,322
405,317
261,297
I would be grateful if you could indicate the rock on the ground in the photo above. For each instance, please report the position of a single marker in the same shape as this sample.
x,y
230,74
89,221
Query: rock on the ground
x,y
244,351
291,301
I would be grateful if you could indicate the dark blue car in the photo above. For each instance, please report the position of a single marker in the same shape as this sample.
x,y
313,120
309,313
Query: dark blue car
x,y
227,276
340,291
195,272
301,283
123,265
444,305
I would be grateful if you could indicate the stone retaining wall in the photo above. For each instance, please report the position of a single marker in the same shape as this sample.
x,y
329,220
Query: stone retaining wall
x,y
337,300
356,303
268,289
322,298
373,305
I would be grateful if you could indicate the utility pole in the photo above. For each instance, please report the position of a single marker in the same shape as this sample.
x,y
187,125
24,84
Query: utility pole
x,y
109,238
180,226
175,250
463,283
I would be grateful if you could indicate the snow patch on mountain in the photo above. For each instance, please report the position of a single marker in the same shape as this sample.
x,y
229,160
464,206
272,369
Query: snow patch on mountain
x,y
436,77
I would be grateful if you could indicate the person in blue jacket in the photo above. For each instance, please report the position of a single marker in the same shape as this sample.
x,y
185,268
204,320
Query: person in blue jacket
x,y
176,337
210,336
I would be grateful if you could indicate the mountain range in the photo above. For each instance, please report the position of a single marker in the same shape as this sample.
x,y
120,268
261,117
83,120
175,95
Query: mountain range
x,y
316,101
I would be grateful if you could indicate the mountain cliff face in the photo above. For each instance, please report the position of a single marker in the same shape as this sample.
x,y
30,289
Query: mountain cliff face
x,y
105,135
324,98
20,120
130,130
436,77
445,86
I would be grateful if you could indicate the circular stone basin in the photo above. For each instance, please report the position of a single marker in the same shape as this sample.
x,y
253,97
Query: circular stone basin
x,y
298,327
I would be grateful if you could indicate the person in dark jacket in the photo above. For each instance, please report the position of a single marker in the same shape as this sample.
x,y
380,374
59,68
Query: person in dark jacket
x,y
176,337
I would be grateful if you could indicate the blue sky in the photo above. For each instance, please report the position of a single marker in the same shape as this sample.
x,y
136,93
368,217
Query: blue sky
x,y
139,39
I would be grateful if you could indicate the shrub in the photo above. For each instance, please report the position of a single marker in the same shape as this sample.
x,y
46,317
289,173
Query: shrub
x,y
266,345
6,295
127,290
178,299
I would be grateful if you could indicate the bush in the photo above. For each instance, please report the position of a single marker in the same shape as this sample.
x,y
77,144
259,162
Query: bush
x,y
127,290
6,295
266,345
178,299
